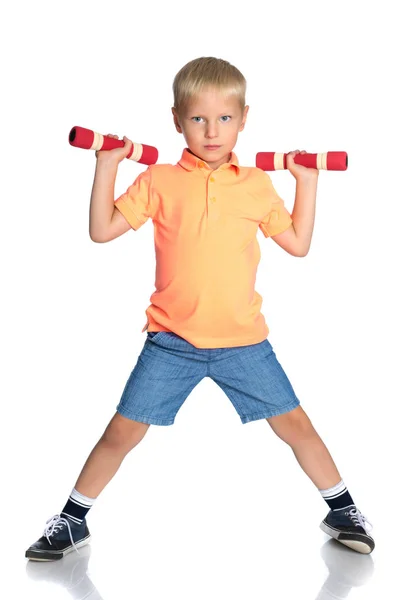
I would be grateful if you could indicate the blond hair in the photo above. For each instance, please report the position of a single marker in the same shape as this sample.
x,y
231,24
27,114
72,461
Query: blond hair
x,y
206,72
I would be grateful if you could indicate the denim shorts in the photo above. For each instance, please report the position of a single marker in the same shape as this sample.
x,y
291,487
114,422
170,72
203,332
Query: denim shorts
x,y
169,368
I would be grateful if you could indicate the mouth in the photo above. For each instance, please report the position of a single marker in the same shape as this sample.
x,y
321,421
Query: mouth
x,y
212,147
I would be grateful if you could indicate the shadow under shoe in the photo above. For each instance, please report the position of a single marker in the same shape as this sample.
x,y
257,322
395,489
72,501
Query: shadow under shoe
x,y
70,574
347,569
61,536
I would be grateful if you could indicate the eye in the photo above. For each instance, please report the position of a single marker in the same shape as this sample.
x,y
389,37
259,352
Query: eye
x,y
223,117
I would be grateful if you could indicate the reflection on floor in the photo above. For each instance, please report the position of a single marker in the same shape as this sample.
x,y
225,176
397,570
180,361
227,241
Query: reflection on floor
x,y
347,569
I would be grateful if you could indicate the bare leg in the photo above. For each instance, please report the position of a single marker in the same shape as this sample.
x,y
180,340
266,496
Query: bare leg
x,y
296,429
120,436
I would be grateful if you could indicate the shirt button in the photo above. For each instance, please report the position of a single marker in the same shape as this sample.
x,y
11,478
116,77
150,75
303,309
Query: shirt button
x,y
212,179
212,199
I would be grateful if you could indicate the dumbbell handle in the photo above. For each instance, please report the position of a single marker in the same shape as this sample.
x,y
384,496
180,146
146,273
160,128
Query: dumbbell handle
x,y
90,140
330,161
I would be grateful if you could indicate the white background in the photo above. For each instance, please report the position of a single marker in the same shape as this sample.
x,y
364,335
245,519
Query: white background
x,y
207,507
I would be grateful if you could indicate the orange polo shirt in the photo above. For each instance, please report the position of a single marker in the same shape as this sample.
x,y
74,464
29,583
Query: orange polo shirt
x,y
207,253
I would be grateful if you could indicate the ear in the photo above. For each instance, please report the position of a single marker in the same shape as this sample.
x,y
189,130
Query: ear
x,y
176,120
246,110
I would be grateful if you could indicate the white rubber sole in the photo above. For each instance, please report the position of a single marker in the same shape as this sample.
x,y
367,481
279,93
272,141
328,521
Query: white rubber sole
x,y
356,545
65,552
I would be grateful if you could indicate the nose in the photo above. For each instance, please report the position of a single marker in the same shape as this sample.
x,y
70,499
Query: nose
x,y
211,131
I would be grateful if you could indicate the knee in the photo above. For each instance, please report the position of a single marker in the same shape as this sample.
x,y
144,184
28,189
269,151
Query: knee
x,y
123,433
293,427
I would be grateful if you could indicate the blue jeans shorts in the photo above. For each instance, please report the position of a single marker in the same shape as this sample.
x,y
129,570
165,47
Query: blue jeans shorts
x,y
169,367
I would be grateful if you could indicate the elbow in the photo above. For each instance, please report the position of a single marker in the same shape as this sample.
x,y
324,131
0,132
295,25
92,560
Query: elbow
x,y
97,238
301,252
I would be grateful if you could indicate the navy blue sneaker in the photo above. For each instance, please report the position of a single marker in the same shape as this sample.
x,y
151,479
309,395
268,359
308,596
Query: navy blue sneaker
x,y
348,526
60,537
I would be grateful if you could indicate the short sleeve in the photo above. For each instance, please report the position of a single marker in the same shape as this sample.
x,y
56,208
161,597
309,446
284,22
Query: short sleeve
x,y
134,204
278,219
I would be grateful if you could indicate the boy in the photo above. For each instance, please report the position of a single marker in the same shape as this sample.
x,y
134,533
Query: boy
x,y
204,318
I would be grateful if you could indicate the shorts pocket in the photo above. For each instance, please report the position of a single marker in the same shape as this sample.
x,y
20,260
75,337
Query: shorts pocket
x,y
154,334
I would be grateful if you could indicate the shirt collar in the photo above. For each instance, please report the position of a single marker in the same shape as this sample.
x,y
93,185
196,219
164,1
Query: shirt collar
x,y
190,162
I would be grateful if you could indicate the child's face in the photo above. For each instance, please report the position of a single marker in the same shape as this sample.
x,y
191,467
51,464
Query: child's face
x,y
211,118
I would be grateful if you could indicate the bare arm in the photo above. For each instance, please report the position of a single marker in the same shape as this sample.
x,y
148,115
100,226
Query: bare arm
x,y
297,239
105,221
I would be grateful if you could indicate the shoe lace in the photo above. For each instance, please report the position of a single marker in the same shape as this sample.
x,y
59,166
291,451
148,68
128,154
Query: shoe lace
x,y
54,525
359,519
